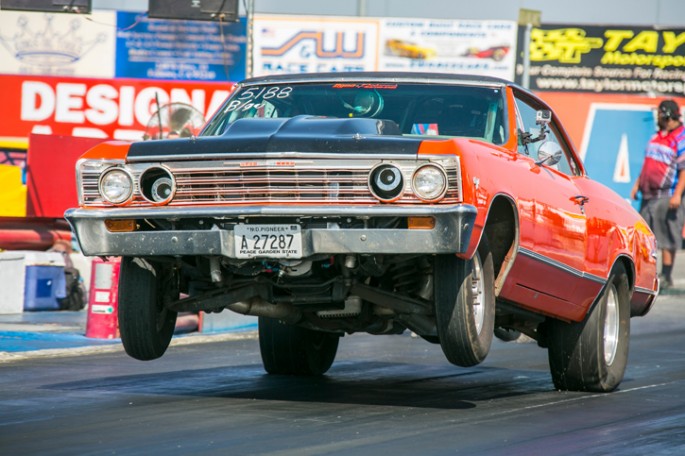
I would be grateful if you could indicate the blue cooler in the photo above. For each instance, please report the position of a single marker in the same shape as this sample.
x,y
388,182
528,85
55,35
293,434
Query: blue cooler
x,y
44,281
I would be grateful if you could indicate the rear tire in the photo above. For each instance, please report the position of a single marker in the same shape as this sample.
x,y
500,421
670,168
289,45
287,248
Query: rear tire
x,y
507,335
292,350
145,325
465,305
592,355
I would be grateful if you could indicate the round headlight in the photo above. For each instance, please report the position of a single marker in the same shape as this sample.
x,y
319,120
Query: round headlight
x,y
161,189
116,186
157,185
386,182
429,182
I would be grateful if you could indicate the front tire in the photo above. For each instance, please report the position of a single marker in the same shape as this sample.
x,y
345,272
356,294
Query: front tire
x,y
145,325
292,350
592,355
465,305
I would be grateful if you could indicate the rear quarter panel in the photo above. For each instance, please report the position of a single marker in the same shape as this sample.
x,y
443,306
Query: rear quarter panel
x,y
615,229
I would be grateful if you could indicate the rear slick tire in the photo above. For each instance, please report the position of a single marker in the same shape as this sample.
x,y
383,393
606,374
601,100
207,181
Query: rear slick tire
x,y
465,305
292,350
592,355
145,325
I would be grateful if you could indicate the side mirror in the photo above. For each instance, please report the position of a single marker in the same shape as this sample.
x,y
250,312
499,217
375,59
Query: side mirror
x,y
549,153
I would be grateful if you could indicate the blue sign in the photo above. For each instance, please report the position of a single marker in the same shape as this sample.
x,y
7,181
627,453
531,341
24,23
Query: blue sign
x,y
616,146
179,50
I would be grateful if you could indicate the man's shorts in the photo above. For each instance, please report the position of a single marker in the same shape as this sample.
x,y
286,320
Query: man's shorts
x,y
666,223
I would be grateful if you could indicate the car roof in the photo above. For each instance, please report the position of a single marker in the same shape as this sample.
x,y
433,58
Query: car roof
x,y
380,76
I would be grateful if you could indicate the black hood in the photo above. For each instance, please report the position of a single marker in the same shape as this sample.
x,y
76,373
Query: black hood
x,y
306,134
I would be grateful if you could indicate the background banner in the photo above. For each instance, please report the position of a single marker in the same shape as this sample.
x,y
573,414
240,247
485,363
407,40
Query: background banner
x,y
57,44
181,50
97,108
605,59
289,44
121,44
451,46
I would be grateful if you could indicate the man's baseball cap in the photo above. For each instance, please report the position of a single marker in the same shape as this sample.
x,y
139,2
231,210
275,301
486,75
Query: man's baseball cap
x,y
669,109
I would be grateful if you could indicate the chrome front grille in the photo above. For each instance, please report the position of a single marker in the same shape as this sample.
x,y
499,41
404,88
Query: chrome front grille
x,y
277,181
304,182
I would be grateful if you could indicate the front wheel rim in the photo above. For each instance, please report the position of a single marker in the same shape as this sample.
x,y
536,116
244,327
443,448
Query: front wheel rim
x,y
611,326
477,289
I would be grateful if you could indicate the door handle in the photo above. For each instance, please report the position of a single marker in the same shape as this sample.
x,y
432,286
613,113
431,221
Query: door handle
x,y
580,199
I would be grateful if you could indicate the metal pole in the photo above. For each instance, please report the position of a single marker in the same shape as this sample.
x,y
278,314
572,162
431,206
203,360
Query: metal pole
x,y
361,7
525,78
249,64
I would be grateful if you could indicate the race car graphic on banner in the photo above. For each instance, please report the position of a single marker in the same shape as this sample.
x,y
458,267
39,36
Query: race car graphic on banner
x,y
287,45
453,46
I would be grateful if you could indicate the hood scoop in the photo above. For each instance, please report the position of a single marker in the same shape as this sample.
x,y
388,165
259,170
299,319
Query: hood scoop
x,y
304,134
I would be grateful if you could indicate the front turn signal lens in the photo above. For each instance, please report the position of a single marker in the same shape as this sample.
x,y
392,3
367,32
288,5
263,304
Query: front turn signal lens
x,y
120,226
421,223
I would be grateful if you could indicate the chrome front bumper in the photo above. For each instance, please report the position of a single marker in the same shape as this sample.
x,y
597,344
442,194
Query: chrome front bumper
x,y
451,234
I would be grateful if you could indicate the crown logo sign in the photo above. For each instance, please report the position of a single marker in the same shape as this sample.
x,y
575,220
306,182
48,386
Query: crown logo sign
x,y
49,47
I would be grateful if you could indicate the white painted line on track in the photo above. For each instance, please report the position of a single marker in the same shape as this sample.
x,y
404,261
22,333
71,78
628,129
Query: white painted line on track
x,y
8,357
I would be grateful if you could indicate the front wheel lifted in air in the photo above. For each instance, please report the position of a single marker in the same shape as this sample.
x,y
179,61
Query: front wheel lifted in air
x,y
145,324
465,305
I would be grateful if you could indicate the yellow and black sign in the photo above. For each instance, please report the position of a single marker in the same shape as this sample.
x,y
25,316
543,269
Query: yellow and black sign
x,y
603,59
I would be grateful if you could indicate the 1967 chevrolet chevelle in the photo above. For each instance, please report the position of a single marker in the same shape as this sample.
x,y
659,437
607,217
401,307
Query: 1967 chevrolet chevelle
x,y
325,204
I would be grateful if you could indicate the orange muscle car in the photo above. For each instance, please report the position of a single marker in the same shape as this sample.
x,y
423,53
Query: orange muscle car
x,y
451,206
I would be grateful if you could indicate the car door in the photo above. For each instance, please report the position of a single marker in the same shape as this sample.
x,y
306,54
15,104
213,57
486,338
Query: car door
x,y
549,264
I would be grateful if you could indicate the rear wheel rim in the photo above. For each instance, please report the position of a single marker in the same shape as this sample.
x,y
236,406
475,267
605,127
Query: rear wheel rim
x,y
611,326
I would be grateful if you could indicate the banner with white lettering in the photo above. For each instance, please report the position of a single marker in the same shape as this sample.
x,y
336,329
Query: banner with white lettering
x,y
108,44
185,50
97,108
605,59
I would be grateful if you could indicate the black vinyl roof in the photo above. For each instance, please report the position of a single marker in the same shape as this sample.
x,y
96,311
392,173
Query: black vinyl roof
x,y
394,76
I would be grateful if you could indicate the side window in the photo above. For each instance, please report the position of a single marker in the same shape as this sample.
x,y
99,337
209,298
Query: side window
x,y
526,115
525,120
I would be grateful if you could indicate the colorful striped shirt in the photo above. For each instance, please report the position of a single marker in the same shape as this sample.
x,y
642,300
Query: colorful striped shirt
x,y
664,159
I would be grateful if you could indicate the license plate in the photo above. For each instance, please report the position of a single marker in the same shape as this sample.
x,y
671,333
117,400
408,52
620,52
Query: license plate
x,y
268,241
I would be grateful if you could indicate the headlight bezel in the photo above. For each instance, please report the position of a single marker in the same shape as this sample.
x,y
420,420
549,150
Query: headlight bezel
x,y
152,176
439,192
386,195
128,194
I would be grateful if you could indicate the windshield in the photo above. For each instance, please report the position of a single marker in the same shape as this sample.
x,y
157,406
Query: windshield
x,y
417,109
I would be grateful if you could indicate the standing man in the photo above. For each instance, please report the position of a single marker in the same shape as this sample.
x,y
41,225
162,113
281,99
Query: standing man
x,y
662,182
